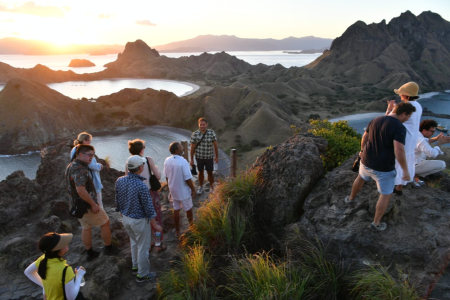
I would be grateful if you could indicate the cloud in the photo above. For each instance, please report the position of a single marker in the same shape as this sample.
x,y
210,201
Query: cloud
x,y
16,33
7,21
104,16
145,23
32,8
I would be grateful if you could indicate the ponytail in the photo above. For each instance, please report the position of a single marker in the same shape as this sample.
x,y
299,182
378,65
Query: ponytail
x,y
82,137
42,270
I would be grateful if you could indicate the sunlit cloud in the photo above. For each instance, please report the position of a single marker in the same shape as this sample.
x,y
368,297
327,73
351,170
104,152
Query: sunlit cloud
x,y
32,8
104,16
6,21
145,23
16,33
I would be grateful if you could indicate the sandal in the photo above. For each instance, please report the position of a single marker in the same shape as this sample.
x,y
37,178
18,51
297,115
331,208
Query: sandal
x,y
162,247
174,231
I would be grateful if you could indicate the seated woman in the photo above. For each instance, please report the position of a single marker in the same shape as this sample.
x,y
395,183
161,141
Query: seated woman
x,y
47,270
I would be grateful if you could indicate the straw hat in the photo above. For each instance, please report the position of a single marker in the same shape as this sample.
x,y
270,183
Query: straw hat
x,y
53,241
408,89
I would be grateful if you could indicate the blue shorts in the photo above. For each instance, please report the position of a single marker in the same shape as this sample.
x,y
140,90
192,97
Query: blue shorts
x,y
385,180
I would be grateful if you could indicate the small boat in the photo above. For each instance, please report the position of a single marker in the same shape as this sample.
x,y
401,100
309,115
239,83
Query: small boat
x,y
442,128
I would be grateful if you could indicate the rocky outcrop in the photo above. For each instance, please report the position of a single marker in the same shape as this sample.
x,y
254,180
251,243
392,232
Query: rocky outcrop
x,y
32,114
289,171
416,240
134,51
78,63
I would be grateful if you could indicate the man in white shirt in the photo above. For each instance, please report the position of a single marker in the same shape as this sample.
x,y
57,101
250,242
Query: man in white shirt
x,y
423,149
178,176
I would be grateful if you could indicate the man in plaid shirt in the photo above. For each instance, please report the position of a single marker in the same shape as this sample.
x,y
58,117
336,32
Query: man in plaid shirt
x,y
204,154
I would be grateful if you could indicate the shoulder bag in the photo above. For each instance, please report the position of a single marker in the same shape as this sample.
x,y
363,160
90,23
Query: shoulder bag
x,y
194,169
80,295
155,185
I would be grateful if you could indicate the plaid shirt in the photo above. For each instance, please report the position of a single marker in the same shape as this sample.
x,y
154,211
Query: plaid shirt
x,y
133,197
206,149
77,174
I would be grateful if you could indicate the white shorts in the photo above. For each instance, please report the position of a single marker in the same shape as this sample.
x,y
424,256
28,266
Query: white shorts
x,y
185,204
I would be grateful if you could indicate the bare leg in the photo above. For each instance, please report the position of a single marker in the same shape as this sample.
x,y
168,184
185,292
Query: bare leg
x,y
105,232
190,216
176,220
357,186
86,238
380,209
201,178
399,187
210,179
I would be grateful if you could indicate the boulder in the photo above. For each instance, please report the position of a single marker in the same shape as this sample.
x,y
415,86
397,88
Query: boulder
x,y
289,171
79,63
416,240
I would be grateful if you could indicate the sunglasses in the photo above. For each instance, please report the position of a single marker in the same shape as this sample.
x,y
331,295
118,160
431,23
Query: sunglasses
x,y
89,154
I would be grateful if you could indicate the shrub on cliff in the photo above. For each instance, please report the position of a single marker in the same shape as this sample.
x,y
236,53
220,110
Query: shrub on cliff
x,y
343,141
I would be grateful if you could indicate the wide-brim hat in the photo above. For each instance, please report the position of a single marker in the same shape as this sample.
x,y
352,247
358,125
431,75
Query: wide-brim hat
x,y
408,89
64,240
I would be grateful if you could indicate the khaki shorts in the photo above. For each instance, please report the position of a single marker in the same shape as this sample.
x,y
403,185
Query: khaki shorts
x,y
90,219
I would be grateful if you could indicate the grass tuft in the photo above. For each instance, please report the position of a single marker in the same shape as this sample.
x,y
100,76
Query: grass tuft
x,y
376,283
190,278
259,276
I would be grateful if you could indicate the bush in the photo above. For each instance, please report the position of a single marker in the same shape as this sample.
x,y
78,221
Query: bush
x,y
314,117
281,96
255,143
145,121
343,141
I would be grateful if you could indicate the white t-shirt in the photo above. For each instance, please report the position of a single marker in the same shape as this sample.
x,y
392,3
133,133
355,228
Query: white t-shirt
x,y
177,171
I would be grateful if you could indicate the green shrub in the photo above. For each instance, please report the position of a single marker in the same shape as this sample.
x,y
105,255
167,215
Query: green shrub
x,y
255,143
190,278
281,96
314,117
260,277
343,141
376,283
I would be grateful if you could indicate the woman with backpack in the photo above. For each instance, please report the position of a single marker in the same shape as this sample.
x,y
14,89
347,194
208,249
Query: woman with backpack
x,y
136,147
49,270
85,138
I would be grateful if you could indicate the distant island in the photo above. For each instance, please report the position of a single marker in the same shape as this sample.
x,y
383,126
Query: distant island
x,y
79,63
309,51
206,43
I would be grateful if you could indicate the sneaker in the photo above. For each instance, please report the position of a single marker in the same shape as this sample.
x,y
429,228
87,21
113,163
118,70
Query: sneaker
x,y
421,182
415,185
349,202
200,190
134,271
94,254
150,276
381,227
111,251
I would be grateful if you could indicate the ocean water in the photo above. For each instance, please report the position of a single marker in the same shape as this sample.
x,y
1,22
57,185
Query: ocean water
x,y
114,145
436,102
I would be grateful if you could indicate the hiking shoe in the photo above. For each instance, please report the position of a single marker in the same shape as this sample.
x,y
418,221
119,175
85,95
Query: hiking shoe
x,y
111,251
134,271
349,202
200,190
94,254
415,185
150,276
381,227
421,182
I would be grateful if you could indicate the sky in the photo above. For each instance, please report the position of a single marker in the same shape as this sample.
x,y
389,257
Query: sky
x,y
163,21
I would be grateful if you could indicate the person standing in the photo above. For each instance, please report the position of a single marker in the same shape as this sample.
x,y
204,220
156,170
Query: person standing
x,y
204,145
135,204
382,143
81,188
47,270
181,187
408,94
137,147
85,138
423,150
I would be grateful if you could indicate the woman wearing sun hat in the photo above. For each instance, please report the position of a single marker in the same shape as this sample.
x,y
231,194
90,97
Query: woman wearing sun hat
x,y
47,270
408,93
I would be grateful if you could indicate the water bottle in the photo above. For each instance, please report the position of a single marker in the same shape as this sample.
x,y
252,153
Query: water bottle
x,y
157,239
83,282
